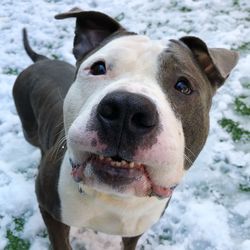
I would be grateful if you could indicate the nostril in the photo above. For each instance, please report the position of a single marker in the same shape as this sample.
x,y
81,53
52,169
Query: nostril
x,y
109,111
144,120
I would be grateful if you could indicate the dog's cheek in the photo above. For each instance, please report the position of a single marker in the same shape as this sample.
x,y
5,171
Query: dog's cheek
x,y
71,107
81,140
165,159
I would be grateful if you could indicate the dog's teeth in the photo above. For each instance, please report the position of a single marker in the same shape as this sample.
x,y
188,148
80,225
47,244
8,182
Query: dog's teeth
x,y
123,163
118,164
109,159
112,163
131,164
101,157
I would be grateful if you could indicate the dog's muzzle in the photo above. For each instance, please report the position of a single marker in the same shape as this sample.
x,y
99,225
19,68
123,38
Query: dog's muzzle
x,y
123,122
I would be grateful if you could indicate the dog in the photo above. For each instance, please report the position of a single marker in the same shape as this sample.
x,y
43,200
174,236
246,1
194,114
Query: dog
x,y
118,131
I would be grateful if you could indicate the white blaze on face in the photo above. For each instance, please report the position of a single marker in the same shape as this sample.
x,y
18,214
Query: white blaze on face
x,y
132,65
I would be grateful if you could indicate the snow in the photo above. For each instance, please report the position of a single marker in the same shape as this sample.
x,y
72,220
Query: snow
x,y
208,211
242,208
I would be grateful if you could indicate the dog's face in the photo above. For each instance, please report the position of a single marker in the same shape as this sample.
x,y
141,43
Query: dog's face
x,y
136,116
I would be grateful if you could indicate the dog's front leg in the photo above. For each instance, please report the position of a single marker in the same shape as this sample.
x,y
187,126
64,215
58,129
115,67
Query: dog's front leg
x,y
58,232
129,243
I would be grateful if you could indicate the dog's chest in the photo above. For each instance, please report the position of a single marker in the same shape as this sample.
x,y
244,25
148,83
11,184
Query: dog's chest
x,y
102,212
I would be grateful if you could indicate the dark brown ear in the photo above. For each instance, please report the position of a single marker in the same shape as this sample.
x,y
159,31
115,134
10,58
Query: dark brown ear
x,y
91,29
217,63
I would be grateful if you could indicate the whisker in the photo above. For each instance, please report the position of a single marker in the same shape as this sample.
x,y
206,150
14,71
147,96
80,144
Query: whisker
x,y
60,95
188,159
59,145
190,151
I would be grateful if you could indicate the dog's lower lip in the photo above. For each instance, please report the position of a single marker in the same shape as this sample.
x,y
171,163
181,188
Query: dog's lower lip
x,y
162,192
117,174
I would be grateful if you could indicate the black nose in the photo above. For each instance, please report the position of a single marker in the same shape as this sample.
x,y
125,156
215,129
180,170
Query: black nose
x,y
127,113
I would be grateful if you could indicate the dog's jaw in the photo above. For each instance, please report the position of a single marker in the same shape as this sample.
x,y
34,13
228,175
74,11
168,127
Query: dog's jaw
x,y
85,206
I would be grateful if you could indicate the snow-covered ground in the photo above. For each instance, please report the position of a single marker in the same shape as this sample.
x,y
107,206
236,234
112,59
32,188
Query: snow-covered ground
x,y
210,210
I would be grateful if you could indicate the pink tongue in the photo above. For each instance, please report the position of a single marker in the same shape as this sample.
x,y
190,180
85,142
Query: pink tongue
x,y
162,191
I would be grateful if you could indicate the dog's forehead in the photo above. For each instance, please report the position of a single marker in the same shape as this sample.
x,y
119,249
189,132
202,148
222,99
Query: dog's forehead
x,y
138,42
128,49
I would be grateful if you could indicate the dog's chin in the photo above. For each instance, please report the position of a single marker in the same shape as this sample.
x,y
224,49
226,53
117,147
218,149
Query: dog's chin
x,y
117,176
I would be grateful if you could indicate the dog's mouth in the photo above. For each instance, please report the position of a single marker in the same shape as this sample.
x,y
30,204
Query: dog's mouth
x,y
117,175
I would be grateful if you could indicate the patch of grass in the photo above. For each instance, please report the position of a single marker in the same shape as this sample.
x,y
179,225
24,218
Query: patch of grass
x,y
232,127
54,56
166,236
244,47
15,242
120,17
241,107
11,71
185,9
244,188
43,234
48,46
236,2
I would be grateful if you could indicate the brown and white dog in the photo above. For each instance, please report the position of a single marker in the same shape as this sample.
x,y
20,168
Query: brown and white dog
x,y
118,132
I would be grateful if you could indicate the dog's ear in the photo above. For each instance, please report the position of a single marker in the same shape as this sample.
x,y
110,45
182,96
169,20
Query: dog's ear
x,y
91,29
217,63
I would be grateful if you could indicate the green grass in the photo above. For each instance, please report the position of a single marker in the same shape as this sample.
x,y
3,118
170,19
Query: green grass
x,y
15,242
56,57
166,236
120,17
10,71
241,107
244,47
236,2
233,128
185,9
244,187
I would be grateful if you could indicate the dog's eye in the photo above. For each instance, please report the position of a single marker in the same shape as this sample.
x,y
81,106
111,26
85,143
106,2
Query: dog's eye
x,y
183,86
98,68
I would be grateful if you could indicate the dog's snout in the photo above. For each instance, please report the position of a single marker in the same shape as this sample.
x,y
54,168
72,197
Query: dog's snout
x,y
127,113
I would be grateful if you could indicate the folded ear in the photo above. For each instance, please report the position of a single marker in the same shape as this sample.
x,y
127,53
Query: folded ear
x,y
91,29
216,63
